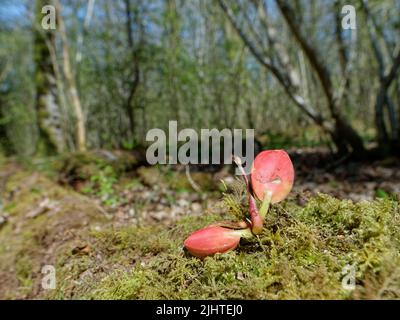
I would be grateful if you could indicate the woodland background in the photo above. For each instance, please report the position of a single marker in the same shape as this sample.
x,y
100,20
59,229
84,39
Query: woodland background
x,y
114,69
77,193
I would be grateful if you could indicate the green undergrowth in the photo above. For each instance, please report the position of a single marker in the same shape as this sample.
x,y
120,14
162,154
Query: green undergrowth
x,y
302,254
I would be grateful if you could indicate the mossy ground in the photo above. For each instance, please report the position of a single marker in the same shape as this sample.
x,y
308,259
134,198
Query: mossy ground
x,y
27,243
301,254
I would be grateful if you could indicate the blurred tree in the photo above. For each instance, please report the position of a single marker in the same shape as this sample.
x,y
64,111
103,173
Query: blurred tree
x,y
287,69
388,138
278,62
71,83
51,137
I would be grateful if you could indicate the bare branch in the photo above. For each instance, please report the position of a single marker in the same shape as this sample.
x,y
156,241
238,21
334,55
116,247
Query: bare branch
x,y
373,38
343,57
289,87
391,74
311,53
86,23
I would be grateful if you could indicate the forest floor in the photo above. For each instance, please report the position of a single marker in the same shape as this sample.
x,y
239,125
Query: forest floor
x,y
113,230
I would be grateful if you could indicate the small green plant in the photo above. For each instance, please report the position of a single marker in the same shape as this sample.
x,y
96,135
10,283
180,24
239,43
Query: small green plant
x,y
128,144
102,185
380,193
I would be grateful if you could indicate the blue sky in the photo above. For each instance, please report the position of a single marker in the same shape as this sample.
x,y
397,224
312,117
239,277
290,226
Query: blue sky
x,y
12,9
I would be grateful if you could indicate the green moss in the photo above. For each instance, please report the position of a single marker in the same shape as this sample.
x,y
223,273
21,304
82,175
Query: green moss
x,y
28,243
27,189
23,271
79,165
300,255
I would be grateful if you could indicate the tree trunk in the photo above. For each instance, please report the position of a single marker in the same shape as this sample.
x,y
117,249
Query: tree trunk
x,y
347,139
135,76
387,136
72,89
5,143
343,135
51,137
